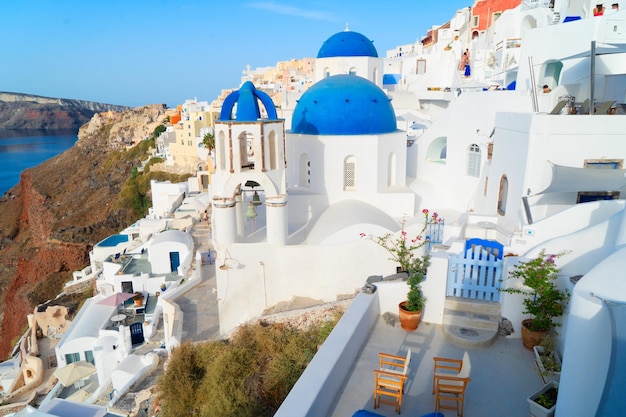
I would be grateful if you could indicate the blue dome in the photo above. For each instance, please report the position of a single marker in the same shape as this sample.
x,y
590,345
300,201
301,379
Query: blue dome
x,y
347,43
247,99
343,105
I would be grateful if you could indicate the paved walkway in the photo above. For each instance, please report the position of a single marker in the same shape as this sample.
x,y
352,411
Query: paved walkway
x,y
199,304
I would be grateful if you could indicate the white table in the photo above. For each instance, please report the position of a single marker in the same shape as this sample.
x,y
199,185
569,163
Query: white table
x,y
118,318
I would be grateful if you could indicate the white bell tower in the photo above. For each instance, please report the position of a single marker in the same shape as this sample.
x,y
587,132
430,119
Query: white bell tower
x,y
249,184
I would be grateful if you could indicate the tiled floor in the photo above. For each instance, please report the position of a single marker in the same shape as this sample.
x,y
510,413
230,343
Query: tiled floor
x,y
503,375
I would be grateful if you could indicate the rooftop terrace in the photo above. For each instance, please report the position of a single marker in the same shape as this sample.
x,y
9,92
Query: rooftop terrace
x,y
340,380
503,375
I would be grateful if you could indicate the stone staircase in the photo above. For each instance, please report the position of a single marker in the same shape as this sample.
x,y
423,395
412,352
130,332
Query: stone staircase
x,y
471,323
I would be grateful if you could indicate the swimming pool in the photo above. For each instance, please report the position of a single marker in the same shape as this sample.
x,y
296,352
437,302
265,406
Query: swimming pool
x,y
114,240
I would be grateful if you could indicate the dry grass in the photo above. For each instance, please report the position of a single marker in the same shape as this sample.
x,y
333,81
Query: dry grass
x,y
249,375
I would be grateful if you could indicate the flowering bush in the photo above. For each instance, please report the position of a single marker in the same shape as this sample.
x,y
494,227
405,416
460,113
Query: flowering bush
x,y
544,301
402,251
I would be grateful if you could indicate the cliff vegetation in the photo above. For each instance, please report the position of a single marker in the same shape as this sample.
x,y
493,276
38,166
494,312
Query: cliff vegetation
x,y
50,221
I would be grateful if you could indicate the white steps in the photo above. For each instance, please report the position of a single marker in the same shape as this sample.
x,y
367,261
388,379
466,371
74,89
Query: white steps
x,y
471,323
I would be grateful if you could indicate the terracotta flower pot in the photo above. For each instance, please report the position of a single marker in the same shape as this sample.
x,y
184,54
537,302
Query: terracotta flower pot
x,y
531,338
409,320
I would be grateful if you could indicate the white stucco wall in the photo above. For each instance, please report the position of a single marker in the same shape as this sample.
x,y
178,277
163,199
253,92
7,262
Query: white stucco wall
x,y
588,342
165,243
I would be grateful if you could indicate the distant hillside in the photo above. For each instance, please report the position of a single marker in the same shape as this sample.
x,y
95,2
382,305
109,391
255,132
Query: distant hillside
x,y
29,112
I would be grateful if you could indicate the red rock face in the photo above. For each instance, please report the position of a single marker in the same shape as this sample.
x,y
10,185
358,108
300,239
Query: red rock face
x,y
59,257
60,209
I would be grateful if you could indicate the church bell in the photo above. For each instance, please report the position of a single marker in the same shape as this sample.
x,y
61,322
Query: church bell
x,y
251,211
256,200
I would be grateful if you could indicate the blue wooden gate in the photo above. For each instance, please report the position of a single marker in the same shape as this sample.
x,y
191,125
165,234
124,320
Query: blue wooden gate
x,y
476,273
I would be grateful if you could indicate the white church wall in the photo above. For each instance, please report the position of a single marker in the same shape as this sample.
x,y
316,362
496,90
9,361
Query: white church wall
x,y
366,67
252,281
271,274
327,155
391,150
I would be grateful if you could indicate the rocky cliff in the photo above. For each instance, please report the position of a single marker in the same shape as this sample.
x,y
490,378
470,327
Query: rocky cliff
x,y
24,111
50,221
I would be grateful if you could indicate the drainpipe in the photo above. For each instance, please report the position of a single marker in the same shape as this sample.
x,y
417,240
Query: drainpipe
x,y
592,78
533,84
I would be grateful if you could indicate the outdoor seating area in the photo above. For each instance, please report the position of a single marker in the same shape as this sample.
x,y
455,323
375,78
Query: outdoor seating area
x,y
438,373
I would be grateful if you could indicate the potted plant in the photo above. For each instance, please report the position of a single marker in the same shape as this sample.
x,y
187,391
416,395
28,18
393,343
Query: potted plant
x,y
403,251
543,402
543,299
548,360
163,287
410,311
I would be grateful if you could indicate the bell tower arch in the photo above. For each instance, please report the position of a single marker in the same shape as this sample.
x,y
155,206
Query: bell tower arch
x,y
249,184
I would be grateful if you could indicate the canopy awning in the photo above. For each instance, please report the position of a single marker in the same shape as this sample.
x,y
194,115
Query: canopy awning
x,y
602,48
569,179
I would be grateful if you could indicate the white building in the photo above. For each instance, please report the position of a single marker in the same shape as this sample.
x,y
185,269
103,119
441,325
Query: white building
x,y
507,166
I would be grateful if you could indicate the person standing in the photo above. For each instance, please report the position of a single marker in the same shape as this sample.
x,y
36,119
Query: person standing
x,y
598,10
464,61
467,63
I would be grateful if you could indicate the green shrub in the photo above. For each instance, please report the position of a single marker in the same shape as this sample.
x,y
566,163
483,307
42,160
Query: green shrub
x,y
134,192
249,376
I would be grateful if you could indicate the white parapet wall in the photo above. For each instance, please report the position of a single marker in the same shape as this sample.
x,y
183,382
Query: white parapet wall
x,y
313,394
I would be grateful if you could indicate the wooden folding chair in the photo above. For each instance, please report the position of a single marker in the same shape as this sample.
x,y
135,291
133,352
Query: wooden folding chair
x,y
388,384
394,363
450,378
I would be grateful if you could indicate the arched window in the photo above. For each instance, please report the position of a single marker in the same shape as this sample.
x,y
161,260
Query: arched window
x,y
391,170
305,171
552,73
473,160
246,149
326,72
502,195
349,173
273,150
352,71
437,151
222,151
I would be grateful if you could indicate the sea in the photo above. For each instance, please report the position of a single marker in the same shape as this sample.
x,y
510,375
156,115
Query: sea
x,y
26,149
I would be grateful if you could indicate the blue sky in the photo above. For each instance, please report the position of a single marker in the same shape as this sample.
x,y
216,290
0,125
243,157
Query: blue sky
x,y
138,52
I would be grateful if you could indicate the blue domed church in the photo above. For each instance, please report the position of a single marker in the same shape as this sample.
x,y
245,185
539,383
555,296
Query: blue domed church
x,y
288,204
349,52
344,146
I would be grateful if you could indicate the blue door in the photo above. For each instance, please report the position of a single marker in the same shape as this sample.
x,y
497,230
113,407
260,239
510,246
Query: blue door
x,y
174,261
136,333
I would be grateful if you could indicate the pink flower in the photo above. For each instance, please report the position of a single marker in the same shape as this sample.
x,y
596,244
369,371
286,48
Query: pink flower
x,y
435,215
425,211
362,234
